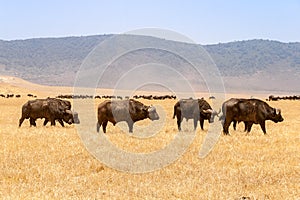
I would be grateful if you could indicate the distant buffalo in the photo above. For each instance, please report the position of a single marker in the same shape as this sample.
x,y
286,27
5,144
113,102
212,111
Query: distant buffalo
x,y
50,109
151,97
31,95
273,98
129,111
196,109
250,111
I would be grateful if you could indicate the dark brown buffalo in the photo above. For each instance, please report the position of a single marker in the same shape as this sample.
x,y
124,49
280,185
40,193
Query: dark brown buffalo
x,y
49,109
196,109
250,111
129,111
64,105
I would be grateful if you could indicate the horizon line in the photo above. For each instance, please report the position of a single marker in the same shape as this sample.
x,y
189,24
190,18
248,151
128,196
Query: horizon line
x,y
111,34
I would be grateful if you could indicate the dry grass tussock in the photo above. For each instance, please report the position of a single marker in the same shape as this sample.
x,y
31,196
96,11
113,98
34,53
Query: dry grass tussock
x,y
52,162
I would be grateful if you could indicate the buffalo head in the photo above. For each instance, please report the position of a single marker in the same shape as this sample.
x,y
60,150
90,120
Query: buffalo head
x,y
71,117
152,114
276,115
211,114
75,117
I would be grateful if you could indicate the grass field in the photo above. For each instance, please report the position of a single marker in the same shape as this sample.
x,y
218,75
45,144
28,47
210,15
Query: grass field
x,y
52,162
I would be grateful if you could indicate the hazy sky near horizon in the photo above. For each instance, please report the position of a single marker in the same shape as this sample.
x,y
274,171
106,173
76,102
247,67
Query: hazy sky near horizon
x,y
205,22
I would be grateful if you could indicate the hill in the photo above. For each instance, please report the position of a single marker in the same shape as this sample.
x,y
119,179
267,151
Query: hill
x,y
50,61
253,65
249,57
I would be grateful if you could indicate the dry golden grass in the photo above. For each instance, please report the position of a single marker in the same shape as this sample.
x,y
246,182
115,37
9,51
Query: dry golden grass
x,y
52,162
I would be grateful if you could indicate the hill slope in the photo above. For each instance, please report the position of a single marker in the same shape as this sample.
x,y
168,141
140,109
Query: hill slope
x,y
244,65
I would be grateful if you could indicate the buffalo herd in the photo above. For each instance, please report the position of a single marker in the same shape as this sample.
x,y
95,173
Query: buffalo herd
x,y
273,98
148,97
15,95
235,110
249,111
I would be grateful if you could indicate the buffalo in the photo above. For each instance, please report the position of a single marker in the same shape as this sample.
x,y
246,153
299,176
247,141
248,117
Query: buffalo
x,y
197,109
250,111
50,109
64,105
129,111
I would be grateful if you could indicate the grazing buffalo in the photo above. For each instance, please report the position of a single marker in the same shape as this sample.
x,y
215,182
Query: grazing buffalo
x,y
50,109
250,111
197,109
64,105
129,111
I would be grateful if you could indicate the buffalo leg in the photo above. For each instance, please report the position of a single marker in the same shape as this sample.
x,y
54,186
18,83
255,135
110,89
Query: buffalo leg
x,y
179,120
99,123
52,122
45,122
246,126
263,126
175,108
21,121
98,126
234,124
249,126
195,124
32,122
130,125
226,127
179,124
201,123
104,124
61,122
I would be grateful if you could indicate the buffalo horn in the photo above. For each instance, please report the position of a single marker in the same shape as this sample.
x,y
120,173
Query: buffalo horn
x,y
278,111
208,111
69,111
151,108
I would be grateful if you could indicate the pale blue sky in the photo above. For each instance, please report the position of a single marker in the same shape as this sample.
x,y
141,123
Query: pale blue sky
x,y
205,22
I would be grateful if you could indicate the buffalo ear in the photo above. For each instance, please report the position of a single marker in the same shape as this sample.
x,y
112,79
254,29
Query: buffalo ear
x,y
145,108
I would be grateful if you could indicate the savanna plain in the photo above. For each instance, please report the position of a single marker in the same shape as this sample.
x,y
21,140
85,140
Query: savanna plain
x,y
53,163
